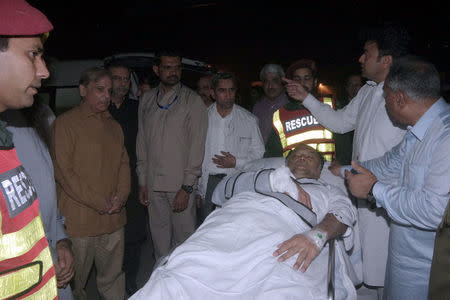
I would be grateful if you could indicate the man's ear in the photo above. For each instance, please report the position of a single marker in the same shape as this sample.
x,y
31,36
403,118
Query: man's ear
x,y
402,99
387,60
156,69
212,94
83,90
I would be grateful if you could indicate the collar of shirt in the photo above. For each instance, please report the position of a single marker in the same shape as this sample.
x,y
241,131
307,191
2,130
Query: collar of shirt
x,y
5,136
420,128
112,107
216,114
373,83
281,100
173,89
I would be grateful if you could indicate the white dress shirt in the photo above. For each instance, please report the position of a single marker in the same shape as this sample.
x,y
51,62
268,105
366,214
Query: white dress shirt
x,y
415,201
374,135
238,133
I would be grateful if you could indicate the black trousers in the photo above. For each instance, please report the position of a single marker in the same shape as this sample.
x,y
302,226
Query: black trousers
x,y
207,206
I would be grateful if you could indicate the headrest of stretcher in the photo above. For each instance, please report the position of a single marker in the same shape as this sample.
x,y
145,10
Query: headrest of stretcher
x,y
276,162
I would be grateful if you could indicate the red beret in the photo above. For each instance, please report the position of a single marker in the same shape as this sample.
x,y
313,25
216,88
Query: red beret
x,y
17,17
302,63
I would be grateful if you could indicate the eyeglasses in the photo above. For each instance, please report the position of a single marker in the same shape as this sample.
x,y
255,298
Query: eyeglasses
x,y
121,78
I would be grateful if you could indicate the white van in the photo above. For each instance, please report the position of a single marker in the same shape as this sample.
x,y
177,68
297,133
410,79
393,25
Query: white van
x,y
60,90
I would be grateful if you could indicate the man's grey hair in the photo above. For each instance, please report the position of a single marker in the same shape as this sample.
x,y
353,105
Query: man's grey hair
x,y
414,76
271,68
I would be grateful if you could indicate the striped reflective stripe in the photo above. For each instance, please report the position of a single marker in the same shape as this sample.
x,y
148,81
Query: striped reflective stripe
x,y
46,257
22,279
304,136
328,147
317,136
328,157
18,243
48,291
329,101
279,126
19,280
327,134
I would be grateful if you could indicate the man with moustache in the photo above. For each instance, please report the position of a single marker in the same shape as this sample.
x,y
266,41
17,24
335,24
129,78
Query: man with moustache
x,y
204,89
233,138
92,173
125,111
374,135
26,266
170,148
274,97
412,180
294,124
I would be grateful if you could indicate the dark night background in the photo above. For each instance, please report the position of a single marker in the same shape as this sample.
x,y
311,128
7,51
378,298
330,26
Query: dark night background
x,y
242,36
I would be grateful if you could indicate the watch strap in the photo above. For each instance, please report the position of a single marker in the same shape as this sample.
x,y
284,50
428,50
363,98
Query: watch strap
x,y
187,188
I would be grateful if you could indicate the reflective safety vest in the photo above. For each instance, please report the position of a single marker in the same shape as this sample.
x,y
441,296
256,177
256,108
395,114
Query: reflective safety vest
x,y
300,126
26,266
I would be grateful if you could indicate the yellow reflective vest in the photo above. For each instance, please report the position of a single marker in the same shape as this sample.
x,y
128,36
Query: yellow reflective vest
x,y
26,266
300,126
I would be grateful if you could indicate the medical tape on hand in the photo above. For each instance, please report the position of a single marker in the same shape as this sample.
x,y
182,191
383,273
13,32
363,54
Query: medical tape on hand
x,y
318,236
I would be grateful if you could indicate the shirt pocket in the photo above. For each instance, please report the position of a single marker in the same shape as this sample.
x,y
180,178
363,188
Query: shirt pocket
x,y
415,176
244,143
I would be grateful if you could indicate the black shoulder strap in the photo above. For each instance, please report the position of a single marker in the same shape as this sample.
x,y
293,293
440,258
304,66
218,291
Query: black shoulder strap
x,y
261,185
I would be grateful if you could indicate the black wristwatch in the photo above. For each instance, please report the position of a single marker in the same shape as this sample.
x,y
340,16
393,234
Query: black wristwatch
x,y
370,196
187,188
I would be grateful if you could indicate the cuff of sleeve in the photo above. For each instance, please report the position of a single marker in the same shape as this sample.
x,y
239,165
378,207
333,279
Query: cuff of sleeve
x,y
141,180
348,238
189,179
239,164
343,168
378,191
60,233
343,218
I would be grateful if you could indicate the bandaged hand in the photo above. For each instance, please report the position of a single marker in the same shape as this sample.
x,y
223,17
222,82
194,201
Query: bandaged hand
x,y
281,181
307,245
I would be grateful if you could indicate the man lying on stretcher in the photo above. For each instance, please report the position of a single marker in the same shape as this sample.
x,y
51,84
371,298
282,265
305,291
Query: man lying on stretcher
x,y
233,254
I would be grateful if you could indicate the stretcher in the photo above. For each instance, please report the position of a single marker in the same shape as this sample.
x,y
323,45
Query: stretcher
x,y
221,261
328,177
261,186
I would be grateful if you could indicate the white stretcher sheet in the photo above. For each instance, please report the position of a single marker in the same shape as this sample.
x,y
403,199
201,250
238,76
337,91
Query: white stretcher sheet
x,y
230,257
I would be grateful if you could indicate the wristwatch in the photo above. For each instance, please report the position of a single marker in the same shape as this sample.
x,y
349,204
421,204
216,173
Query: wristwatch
x,y
187,188
370,196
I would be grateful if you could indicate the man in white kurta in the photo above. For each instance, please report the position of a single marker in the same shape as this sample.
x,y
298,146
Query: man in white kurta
x,y
233,254
374,135
233,138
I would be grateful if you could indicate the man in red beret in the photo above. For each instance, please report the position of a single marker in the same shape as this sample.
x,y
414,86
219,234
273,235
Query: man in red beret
x,y
26,265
